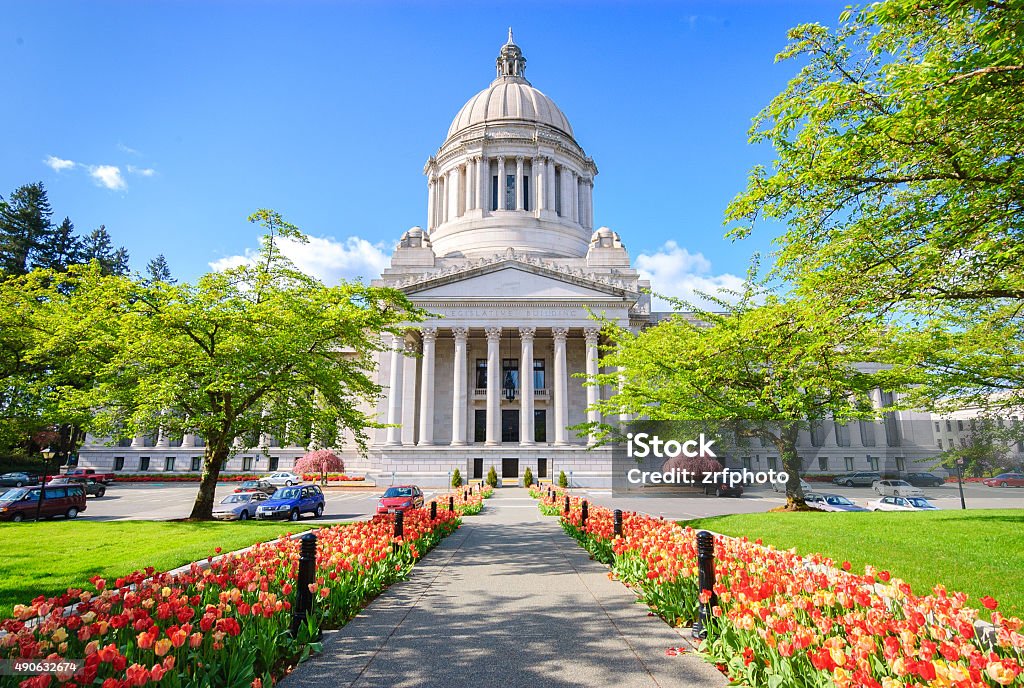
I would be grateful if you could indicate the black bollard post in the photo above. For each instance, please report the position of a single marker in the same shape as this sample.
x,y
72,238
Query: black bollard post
x,y
617,515
565,509
465,495
433,509
451,503
705,581
583,518
307,575
398,531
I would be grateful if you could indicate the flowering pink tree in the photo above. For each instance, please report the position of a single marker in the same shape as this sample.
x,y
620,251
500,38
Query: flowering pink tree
x,y
319,461
698,466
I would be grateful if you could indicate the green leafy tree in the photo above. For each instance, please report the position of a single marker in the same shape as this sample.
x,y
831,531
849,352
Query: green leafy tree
x,y
898,176
25,227
98,246
991,445
764,367
159,271
62,250
257,348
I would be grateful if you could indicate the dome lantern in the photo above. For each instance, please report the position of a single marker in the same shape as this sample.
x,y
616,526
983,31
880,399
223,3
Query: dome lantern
x,y
510,62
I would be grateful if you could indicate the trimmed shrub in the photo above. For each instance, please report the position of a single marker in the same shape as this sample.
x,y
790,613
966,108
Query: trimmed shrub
x,y
492,477
527,477
563,481
457,478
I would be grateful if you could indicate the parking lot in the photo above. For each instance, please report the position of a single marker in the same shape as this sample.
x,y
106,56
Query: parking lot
x,y
149,501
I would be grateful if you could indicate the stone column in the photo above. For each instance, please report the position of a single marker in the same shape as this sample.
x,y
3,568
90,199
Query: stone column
x,y
574,197
593,393
539,172
549,192
526,385
188,441
590,203
561,387
453,195
429,335
395,391
501,183
470,185
483,180
138,441
161,439
459,399
519,182
493,385
431,192
442,199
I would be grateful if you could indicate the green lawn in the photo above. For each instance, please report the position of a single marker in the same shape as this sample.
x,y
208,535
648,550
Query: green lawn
x,y
978,552
49,557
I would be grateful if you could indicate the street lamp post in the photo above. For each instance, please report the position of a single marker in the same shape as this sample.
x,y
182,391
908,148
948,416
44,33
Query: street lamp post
x,y
960,481
48,454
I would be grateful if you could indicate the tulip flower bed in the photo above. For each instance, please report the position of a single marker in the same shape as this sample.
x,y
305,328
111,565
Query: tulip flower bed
x,y
552,506
225,626
787,620
473,503
224,477
332,478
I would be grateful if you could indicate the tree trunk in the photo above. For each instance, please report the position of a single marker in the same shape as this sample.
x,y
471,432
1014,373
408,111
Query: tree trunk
x,y
786,444
216,453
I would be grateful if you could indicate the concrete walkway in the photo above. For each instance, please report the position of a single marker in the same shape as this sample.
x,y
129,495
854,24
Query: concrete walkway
x,y
509,600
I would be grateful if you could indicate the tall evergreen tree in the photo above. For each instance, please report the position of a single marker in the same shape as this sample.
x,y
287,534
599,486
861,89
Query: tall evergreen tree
x,y
99,246
62,250
159,271
25,226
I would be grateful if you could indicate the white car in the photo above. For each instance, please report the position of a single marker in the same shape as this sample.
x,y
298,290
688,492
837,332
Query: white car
x,y
896,488
283,478
831,502
781,487
902,504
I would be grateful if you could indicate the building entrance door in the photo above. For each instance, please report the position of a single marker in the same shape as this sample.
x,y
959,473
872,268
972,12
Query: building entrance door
x,y
510,425
510,468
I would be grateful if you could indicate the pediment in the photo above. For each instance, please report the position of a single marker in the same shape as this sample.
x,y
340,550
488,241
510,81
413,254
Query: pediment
x,y
512,280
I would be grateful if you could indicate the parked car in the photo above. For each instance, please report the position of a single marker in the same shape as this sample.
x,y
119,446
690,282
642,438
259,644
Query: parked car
x,y
105,478
21,503
292,502
831,502
781,487
283,478
18,479
92,488
860,479
240,506
1006,480
896,488
723,489
400,498
902,504
924,479
263,486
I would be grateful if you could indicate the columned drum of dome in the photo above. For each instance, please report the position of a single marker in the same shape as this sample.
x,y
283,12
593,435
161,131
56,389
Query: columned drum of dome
x,y
510,173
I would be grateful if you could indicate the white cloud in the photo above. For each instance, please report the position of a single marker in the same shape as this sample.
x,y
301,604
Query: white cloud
x,y
108,176
141,171
674,271
58,164
325,258
126,149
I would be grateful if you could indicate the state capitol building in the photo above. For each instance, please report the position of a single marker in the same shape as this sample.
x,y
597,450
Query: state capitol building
x,y
510,265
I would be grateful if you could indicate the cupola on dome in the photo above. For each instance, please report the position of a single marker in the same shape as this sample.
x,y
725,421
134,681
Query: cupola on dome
x,y
510,97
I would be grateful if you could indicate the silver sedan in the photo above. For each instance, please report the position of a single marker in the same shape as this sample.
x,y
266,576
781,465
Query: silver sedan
x,y
240,506
902,504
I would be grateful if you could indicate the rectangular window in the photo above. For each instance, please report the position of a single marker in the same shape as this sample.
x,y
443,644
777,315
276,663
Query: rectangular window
x,y
481,373
510,192
143,463
494,192
542,468
773,463
901,464
540,425
848,460
526,192
822,463
746,463
539,381
960,426
510,468
937,428
480,425
246,463
510,425
275,462
197,464
478,469
558,191
940,444
169,463
54,492
118,463
949,426
509,373
873,462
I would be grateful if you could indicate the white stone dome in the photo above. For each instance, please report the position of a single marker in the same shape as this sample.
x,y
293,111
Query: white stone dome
x,y
509,98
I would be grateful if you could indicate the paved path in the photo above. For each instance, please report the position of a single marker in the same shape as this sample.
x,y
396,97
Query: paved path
x,y
509,600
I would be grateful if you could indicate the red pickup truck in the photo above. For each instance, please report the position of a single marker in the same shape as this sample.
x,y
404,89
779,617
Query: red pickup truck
x,y
105,478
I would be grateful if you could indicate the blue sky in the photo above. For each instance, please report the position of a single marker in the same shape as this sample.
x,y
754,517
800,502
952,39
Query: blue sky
x,y
327,111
